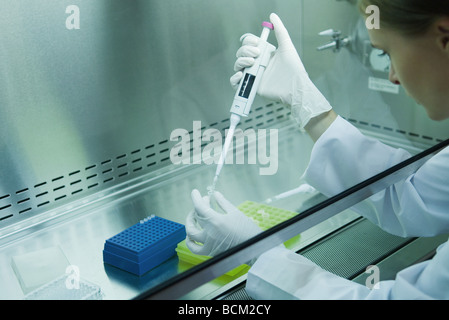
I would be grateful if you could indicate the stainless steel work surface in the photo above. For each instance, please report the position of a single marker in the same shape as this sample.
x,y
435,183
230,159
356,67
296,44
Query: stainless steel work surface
x,y
81,231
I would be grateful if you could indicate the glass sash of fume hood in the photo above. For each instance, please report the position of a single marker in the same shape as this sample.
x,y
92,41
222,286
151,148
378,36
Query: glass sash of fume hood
x,y
189,280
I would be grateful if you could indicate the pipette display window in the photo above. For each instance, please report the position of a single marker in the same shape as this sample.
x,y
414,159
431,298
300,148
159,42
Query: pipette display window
x,y
247,85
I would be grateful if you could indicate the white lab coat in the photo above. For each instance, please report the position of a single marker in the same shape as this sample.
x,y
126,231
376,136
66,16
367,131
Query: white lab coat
x,y
418,206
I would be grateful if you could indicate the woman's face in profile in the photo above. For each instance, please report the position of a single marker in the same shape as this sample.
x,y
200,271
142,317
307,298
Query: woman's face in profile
x,y
420,64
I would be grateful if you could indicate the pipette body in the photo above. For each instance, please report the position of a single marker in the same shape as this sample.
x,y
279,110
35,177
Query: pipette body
x,y
246,92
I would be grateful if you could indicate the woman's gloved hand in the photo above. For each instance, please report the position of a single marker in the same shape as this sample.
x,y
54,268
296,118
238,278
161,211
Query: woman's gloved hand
x,y
210,232
285,79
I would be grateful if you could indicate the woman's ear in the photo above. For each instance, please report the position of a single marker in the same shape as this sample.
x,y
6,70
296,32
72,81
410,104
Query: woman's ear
x,y
442,29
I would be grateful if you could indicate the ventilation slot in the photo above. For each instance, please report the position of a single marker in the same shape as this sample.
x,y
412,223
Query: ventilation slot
x,y
65,188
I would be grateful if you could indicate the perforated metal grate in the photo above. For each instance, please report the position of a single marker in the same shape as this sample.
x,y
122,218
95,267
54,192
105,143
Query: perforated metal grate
x,y
348,253
41,196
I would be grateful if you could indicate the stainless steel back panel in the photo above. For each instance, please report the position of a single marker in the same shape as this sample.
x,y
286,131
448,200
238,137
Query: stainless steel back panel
x,y
83,110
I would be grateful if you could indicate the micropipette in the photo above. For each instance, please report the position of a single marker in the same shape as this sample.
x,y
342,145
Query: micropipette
x,y
246,92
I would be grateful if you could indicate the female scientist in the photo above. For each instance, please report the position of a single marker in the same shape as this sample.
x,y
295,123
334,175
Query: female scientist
x,y
415,34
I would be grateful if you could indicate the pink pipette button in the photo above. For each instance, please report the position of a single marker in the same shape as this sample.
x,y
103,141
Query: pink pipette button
x,y
268,25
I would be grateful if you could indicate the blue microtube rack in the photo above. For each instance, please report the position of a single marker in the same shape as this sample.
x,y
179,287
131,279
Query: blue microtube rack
x,y
144,245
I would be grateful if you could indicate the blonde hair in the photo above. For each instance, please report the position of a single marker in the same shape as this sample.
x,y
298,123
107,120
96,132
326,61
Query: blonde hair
x,y
412,17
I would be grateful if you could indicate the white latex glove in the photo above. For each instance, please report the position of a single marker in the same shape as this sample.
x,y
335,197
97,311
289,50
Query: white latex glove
x,y
285,79
210,232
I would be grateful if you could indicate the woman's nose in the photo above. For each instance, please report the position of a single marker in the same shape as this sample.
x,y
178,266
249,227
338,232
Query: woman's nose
x,y
392,76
